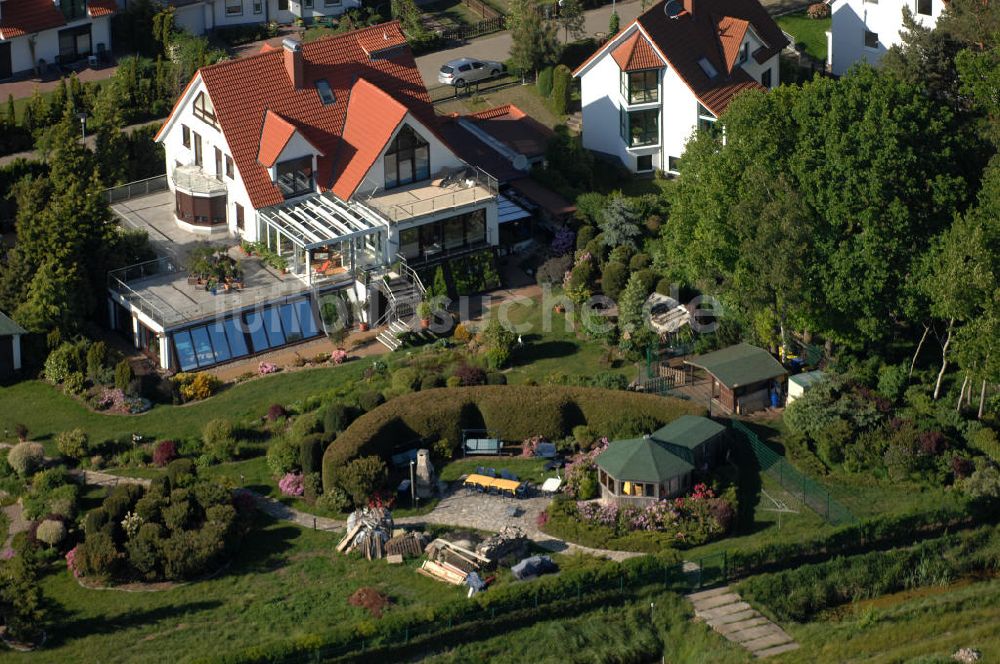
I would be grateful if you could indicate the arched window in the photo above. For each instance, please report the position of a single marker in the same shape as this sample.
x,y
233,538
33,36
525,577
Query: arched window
x,y
407,160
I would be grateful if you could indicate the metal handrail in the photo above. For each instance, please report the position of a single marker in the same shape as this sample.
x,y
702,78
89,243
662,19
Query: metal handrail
x,y
124,192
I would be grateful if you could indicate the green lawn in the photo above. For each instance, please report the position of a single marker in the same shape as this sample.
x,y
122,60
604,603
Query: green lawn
x,y
46,411
807,31
286,582
526,469
929,624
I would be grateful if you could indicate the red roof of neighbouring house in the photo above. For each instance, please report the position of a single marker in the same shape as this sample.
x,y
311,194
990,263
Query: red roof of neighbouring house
x,y
685,39
515,129
267,48
98,8
243,90
636,53
372,117
23,17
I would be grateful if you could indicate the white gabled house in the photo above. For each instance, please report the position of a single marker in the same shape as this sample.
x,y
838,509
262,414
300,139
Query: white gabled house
x,y
863,30
34,33
672,70
328,154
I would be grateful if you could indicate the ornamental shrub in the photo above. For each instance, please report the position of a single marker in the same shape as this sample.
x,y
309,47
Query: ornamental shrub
x,y
587,232
306,424
51,532
496,378
554,269
405,379
124,375
219,436
544,82
640,261
97,556
370,400
291,484
430,381
164,452
336,418
562,79
818,10
73,443
498,341
283,456
469,375
97,356
181,472
196,386
75,383
311,453
276,411
26,458
363,477
613,279
143,551
334,499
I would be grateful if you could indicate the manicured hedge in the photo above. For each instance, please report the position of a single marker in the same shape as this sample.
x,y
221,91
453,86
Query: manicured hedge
x,y
515,412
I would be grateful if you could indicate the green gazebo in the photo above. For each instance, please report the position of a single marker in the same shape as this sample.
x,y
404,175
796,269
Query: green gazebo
x,y
641,471
698,440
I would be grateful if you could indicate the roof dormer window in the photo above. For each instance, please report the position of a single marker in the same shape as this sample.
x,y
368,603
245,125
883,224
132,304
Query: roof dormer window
x,y
325,92
707,67
204,110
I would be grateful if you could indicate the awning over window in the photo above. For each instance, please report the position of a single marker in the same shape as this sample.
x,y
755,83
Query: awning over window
x,y
508,210
320,219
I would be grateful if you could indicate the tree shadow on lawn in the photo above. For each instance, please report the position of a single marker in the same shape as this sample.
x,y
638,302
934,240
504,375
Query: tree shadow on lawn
x,y
67,630
264,548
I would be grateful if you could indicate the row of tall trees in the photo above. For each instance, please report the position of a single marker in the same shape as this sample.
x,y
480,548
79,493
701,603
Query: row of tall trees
x,y
863,209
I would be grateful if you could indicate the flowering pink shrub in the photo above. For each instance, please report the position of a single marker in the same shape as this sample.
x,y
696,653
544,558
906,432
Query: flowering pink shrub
x,y
542,519
291,484
265,368
339,356
530,445
164,452
581,470
71,561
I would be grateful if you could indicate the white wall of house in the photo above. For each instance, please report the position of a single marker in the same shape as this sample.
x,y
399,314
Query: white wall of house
x,y
173,147
46,43
852,19
601,99
200,18
190,18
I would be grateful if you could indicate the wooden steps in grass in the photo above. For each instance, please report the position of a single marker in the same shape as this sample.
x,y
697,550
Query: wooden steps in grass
x,y
726,612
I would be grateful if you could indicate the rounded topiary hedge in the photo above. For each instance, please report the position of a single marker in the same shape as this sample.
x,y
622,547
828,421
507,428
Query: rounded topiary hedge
x,y
514,412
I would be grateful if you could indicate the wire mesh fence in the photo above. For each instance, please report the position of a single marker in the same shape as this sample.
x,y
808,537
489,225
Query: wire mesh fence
x,y
814,496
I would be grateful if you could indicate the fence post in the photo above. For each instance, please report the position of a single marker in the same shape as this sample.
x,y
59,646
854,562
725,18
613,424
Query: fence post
x,y
804,491
406,636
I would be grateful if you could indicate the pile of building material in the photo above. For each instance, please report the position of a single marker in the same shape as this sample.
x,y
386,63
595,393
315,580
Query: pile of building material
x,y
452,563
509,541
443,572
408,544
368,531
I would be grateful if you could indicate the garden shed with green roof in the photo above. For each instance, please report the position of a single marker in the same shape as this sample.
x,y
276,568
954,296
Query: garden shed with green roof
x,y
640,471
10,347
698,440
744,377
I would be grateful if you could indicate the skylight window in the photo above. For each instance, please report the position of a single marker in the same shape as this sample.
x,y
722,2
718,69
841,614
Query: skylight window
x,y
707,67
325,92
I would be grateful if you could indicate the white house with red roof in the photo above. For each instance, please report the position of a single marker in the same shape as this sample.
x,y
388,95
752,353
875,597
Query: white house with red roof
x,y
671,71
36,32
327,154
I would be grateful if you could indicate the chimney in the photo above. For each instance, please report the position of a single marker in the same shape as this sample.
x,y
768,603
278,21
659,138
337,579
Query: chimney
x,y
689,6
292,51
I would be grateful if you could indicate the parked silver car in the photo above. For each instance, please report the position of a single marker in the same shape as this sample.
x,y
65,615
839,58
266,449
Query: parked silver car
x,y
468,70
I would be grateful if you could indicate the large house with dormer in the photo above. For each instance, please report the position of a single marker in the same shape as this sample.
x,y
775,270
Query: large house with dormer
x,y
326,156
35,34
673,70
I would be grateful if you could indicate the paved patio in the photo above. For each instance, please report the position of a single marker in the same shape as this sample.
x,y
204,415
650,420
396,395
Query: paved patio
x,y
167,294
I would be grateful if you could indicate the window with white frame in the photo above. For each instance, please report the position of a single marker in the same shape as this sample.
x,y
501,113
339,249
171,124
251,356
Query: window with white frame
x,y
295,177
641,87
407,160
640,128
258,7
234,7
706,119
203,109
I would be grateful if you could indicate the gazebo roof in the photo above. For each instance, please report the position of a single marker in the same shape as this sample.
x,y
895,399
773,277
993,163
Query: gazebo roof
x,y
689,431
641,460
8,327
738,365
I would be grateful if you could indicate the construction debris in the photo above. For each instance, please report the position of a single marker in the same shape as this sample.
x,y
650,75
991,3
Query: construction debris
x,y
509,541
442,572
368,531
407,544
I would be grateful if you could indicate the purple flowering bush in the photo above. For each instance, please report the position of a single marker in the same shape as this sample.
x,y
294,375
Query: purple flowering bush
x,y
292,484
581,472
564,241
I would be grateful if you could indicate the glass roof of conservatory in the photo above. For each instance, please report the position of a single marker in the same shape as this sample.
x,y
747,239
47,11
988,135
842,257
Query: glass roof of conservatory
x,y
321,219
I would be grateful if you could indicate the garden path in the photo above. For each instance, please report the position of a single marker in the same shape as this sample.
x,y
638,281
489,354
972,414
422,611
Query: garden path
x,y
726,612
16,523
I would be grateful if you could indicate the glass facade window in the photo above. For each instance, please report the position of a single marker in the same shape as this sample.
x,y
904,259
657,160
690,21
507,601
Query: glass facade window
x,y
295,177
203,109
217,333
644,127
407,160
307,321
255,326
202,346
185,351
236,335
452,234
641,87
272,326
290,322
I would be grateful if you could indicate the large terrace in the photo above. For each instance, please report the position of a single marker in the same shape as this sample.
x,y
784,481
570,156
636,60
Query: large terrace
x,y
463,188
165,291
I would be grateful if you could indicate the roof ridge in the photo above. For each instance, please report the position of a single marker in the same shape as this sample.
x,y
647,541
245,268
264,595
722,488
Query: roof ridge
x,y
496,111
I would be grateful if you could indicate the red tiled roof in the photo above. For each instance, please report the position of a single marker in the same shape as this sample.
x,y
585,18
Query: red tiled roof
x,y
515,129
372,117
636,53
267,48
374,41
98,8
22,17
731,34
687,38
242,90
274,136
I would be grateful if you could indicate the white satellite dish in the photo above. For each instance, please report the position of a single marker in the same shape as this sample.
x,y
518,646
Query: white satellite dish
x,y
520,162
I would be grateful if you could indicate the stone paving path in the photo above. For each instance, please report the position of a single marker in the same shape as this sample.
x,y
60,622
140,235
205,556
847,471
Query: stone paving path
x,y
726,612
17,523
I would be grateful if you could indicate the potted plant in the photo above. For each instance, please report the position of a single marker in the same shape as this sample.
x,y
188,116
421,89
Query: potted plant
x,y
424,311
359,312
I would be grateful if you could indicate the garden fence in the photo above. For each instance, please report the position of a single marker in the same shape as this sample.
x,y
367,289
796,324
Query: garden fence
x,y
814,496
484,27
542,604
